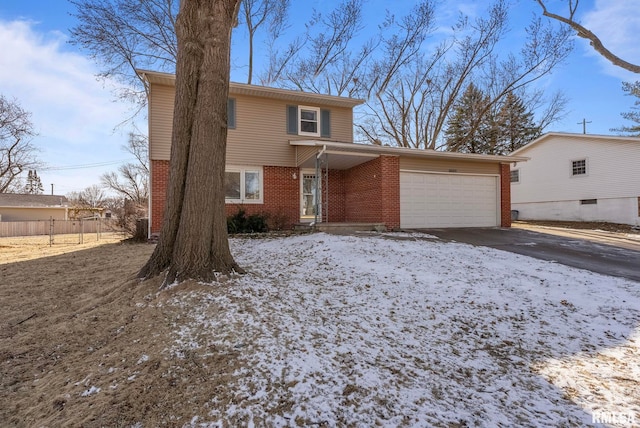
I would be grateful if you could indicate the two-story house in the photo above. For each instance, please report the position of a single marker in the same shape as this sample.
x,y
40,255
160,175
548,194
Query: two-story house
x,y
578,177
291,155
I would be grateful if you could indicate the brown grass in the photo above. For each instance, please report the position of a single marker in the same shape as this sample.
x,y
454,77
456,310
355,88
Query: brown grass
x,y
74,317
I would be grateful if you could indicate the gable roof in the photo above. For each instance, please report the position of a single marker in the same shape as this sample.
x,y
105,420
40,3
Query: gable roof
x,y
552,135
33,201
288,95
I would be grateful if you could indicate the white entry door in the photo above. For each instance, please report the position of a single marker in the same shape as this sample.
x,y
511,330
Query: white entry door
x,y
308,194
448,200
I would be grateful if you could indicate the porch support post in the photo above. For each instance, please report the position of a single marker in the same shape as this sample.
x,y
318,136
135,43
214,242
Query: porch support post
x,y
316,205
326,186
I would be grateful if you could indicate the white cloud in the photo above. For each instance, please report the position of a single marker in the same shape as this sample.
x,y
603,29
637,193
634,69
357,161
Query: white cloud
x,y
73,113
617,24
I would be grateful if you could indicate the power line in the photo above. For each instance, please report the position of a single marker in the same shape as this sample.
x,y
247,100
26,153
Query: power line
x,y
82,166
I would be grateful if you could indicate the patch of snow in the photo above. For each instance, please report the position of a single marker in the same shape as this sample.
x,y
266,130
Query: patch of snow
x,y
91,391
143,359
362,331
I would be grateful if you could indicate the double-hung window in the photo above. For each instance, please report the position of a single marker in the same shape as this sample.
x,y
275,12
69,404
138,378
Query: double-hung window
x,y
243,185
579,167
308,121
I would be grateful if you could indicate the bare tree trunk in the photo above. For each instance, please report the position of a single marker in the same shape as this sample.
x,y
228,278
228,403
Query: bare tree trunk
x,y
193,242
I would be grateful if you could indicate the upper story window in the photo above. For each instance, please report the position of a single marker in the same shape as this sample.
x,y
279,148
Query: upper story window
x,y
579,167
515,176
308,121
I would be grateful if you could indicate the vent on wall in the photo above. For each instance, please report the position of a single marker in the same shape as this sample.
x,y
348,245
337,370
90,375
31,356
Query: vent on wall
x,y
588,201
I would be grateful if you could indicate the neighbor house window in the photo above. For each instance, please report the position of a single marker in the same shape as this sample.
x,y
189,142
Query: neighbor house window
x,y
579,167
243,185
515,176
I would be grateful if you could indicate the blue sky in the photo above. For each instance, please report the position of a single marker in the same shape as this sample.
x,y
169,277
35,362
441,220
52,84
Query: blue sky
x,y
76,116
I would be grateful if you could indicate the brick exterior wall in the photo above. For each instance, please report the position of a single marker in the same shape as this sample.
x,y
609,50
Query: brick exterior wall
x,y
281,196
372,192
336,196
369,192
505,195
159,171
390,192
281,201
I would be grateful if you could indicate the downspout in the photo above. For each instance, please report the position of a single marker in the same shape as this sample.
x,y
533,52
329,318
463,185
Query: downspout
x,y
318,181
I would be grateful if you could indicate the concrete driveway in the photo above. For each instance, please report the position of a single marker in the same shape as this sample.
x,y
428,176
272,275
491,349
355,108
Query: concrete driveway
x,y
601,252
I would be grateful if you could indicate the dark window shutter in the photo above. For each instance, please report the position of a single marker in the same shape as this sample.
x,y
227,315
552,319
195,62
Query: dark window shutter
x,y
231,113
325,123
292,120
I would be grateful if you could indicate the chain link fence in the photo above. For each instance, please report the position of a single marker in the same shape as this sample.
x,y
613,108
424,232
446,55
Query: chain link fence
x,y
54,232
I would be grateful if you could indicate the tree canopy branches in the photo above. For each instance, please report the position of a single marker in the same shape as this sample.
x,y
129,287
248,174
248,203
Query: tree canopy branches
x,y
410,86
585,33
17,154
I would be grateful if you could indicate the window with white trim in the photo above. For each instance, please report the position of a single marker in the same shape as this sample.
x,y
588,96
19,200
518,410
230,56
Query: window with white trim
x,y
309,121
515,176
579,167
243,185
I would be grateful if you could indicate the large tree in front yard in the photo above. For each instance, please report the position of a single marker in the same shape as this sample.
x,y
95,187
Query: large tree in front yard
x,y
193,239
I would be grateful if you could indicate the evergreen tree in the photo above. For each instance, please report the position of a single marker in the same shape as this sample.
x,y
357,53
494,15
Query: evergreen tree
x,y
632,89
34,184
468,131
516,126
476,127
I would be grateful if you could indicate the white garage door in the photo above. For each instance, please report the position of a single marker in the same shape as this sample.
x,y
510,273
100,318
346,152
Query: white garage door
x,y
448,200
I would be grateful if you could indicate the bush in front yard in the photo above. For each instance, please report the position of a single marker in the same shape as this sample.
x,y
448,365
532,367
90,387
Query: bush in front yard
x,y
241,223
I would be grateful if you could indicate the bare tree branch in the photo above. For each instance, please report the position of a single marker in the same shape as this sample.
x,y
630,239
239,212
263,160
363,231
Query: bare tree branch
x,y
585,33
17,154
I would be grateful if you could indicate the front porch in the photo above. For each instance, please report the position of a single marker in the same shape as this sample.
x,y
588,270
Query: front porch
x,y
347,187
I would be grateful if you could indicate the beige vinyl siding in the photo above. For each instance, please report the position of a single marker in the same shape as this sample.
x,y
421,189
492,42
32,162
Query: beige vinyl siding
x,y
260,136
31,214
303,153
160,121
446,165
612,170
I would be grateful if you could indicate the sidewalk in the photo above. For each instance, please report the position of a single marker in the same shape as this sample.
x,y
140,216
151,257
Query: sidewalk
x,y
630,241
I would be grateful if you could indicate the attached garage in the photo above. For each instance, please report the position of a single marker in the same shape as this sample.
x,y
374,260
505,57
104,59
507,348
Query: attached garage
x,y
429,200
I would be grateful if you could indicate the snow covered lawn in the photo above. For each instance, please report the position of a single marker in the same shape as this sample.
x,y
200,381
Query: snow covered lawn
x,y
404,330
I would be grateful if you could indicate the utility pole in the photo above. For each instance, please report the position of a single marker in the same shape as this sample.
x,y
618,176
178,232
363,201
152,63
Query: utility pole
x,y
584,125
51,189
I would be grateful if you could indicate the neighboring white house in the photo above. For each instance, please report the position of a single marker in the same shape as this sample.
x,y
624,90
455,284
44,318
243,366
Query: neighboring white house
x,y
578,177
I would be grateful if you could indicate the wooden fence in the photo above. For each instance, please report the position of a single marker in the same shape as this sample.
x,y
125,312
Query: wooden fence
x,y
55,227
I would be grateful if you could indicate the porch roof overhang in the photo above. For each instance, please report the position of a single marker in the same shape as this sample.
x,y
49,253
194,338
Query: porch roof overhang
x,y
348,155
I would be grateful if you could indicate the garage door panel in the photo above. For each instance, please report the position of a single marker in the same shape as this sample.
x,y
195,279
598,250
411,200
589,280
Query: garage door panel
x,y
448,200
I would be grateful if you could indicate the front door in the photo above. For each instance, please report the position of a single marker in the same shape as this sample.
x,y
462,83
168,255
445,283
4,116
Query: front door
x,y
308,204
